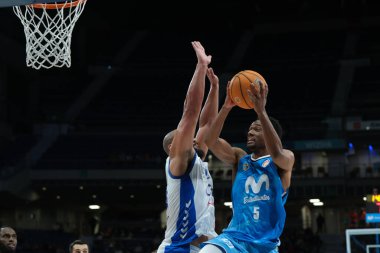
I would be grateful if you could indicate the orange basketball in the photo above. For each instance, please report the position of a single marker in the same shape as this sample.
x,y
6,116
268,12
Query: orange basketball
x,y
240,84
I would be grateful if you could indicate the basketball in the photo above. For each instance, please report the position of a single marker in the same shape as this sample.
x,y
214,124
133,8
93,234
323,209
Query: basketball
x,y
239,85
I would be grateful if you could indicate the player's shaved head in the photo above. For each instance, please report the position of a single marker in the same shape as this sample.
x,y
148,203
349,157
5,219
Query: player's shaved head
x,y
168,139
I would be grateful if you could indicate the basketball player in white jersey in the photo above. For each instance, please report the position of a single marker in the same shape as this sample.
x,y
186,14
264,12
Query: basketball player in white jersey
x,y
190,203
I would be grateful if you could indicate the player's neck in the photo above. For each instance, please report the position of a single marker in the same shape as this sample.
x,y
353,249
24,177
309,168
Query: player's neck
x,y
259,153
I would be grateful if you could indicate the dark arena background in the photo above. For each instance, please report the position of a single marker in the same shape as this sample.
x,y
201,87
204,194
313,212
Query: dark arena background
x,y
91,134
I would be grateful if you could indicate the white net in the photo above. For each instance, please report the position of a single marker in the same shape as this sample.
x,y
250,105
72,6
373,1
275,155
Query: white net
x,y
48,29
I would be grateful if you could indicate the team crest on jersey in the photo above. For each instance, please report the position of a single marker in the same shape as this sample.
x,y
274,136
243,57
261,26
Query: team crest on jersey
x,y
265,163
245,166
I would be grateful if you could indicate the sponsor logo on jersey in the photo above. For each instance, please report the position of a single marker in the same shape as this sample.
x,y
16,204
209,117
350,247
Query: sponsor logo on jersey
x,y
207,174
265,163
256,198
256,187
211,201
209,190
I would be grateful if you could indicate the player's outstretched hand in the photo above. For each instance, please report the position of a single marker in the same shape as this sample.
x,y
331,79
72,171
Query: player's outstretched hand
x,y
203,58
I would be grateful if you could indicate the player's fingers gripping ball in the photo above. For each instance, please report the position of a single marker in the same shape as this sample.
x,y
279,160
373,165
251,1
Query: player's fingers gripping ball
x,y
240,83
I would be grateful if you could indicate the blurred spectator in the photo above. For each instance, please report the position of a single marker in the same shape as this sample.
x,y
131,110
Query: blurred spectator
x,y
320,223
362,214
78,246
353,219
8,240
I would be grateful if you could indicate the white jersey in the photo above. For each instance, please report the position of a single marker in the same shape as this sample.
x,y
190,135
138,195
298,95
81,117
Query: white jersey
x,y
190,207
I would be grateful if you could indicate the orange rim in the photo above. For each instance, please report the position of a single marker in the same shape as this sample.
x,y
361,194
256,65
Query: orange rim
x,y
57,6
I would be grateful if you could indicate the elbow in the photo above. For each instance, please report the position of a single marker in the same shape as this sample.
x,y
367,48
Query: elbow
x,y
211,143
190,112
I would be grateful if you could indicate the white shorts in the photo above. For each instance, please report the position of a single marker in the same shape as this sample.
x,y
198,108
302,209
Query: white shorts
x,y
194,249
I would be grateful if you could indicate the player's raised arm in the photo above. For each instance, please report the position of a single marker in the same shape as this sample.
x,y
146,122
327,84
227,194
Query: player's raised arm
x,y
282,157
208,114
218,146
182,151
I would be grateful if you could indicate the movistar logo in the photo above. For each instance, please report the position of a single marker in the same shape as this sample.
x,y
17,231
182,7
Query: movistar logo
x,y
256,187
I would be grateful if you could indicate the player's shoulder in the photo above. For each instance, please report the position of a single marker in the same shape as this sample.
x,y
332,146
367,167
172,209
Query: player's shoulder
x,y
287,152
239,152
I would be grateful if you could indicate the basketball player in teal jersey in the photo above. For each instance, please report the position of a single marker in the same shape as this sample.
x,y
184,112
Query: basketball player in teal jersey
x,y
260,182
190,203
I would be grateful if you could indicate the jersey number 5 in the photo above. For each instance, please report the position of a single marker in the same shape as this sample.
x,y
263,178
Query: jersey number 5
x,y
256,213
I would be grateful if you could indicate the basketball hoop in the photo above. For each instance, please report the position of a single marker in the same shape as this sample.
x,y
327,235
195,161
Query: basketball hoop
x,y
48,29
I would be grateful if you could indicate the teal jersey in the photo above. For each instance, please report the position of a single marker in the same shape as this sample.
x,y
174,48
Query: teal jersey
x,y
258,200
